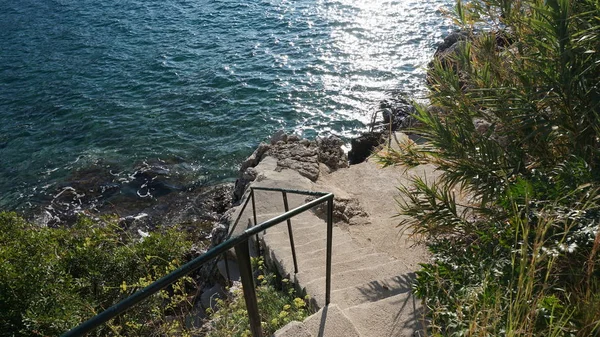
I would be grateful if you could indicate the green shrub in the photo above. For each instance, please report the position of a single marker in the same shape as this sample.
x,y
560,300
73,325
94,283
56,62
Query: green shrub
x,y
512,222
53,279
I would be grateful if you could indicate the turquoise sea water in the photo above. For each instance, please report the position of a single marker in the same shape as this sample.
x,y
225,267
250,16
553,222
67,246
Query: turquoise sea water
x,y
198,83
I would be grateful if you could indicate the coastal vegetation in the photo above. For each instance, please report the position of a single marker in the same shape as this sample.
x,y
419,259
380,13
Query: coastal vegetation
x,y
512,222
52,279
277,305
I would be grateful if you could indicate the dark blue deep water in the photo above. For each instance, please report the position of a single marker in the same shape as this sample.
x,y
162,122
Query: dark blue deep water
x,y
197,83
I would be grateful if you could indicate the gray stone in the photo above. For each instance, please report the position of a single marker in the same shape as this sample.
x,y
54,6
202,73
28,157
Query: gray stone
x,y
293,138
344,209
279,136
250,174
255,157
331,152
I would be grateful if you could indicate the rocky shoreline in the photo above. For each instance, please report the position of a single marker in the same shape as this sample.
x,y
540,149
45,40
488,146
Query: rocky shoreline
x,y
158,194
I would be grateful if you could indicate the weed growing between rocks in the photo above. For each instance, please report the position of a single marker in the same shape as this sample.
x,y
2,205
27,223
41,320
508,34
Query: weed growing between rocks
x,y
512,222
277,303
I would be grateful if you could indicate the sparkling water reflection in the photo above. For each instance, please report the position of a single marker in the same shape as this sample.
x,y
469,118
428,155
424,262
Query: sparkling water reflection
x,y
85,83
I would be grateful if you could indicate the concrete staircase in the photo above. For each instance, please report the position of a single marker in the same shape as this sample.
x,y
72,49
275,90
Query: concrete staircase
x,y
373,263
370,290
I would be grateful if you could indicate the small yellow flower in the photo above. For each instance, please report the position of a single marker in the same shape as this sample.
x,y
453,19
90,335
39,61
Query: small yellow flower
x,y
287,307
285,280
274,321
260,277
283,314
124,286
299,303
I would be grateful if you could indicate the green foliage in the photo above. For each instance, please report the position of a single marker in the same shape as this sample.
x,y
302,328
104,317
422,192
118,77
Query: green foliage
x,y
512,221
277,305
53,279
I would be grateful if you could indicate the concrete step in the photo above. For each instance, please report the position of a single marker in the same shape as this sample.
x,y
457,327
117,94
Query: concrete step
x,y
354,277
298,228
303,246
351,261
308,248
293,329
330,321
400,315
373,291
338,256
301,235
282,255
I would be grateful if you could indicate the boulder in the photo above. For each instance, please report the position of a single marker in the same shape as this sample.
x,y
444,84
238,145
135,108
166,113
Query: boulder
x,y
447,51
246,174
298,156
331,152
295,153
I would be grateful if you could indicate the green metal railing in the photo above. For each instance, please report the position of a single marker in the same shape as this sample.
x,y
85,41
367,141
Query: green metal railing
x,y
240,244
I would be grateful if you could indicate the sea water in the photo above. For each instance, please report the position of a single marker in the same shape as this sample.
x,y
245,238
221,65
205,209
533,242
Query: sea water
x,y
192,84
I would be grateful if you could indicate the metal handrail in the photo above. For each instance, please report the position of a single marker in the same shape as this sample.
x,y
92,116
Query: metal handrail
x,y
240,244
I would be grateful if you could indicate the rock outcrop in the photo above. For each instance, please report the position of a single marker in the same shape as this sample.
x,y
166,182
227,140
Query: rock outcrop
x,y
292,152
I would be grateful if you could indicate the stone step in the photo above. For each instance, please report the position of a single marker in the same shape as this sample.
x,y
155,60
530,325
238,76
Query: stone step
x,y
301,235
303,246
330,321
308,242
282,255
370,291
337,257
299,228
353,277
293,329
351,261
400,315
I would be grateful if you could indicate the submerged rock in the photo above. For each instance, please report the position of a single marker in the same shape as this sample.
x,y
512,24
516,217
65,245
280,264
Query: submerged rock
x,y
156,193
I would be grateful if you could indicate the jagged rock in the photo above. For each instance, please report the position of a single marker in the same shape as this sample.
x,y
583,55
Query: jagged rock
x,y
294,138
246,176
450,41
344,209
363,146
218,234
331,152
447,51
279,136
297,156
255,157
295,153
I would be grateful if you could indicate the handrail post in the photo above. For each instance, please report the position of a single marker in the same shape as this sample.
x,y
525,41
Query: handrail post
x,y
255,221
290,233
253,207
227,269
329,250
243,254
